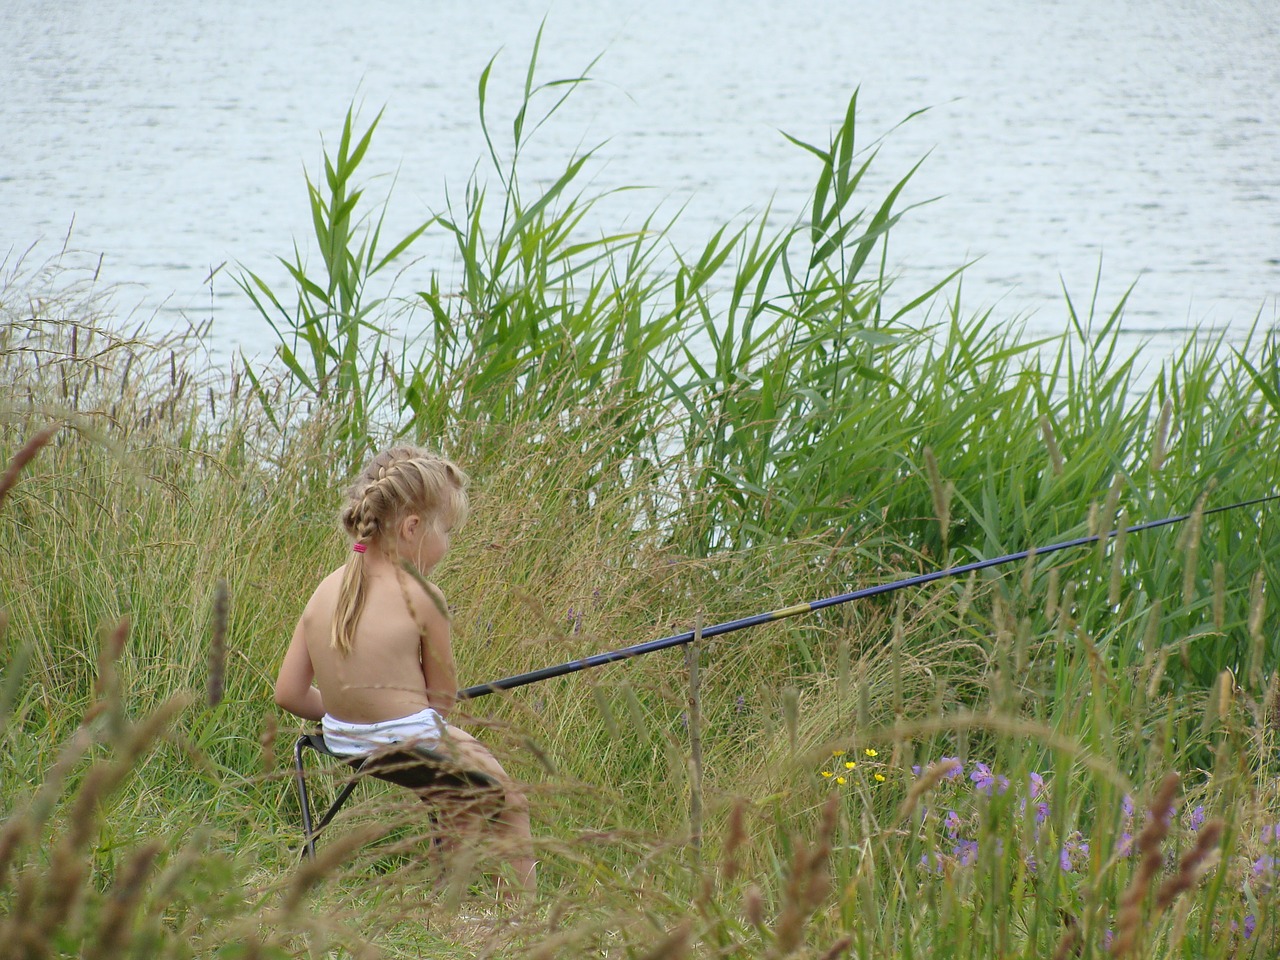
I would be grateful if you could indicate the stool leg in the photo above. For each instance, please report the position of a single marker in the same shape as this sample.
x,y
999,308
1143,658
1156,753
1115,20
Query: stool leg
x,y
300,777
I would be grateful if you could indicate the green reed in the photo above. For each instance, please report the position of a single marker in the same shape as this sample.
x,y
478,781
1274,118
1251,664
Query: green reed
x,y
655,442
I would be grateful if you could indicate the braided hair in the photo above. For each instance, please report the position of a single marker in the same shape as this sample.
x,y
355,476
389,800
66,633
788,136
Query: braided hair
x,y
397,482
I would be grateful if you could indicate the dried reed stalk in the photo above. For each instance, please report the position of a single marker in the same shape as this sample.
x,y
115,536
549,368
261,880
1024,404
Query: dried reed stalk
x,y
114,928
840,946
1051,444
1154,832
218,644
22,458
1190,867
675,945
735,836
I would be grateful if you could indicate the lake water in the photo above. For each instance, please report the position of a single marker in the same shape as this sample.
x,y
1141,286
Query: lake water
x,y
1142,135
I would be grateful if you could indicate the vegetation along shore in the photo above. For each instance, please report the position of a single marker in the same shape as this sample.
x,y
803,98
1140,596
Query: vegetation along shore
x,y
1074,755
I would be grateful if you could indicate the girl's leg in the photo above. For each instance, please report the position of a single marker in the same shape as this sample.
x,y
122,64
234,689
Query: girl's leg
x,y
512,823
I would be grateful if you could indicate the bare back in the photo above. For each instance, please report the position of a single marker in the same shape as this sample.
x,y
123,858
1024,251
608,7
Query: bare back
x,y
389,672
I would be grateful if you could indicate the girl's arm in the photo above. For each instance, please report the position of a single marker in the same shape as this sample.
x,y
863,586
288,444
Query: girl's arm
x,y
438,669
294,691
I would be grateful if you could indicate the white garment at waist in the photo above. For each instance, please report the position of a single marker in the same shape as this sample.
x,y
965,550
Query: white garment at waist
x,y
353,739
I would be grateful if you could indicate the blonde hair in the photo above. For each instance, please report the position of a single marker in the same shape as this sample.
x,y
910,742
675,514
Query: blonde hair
x,y
396,483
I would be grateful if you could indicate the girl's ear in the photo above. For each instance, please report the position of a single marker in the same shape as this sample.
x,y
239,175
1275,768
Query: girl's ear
x,y
409,526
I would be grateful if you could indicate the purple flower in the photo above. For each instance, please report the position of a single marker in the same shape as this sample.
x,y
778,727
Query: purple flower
x,y
1126,844
965,852
1196,820
1265,865
956,771
915,769
741,705
952,824
1042,812
1072,852
1037,785
1126,804
1270,831
984,780
1250,924
931,861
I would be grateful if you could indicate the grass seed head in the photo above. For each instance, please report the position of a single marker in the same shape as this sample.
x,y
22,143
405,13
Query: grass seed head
x,y
1192,864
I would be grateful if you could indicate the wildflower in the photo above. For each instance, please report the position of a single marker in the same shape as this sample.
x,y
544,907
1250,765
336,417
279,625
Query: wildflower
x,y
826,773
841,780
1265,865
952,824
931,861
984,780
879,778
1270,831
849,764
870,752
1250,924
837,753
1196,820
1037,785
1126,844
1042,812
957,771
1126,804
966,852
1074,851
741,705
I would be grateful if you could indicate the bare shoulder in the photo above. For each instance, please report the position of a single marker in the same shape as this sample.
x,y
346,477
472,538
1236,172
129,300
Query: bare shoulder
x,y
326,593
429,599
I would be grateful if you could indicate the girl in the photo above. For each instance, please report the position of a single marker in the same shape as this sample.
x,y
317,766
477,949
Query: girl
x,y
375,641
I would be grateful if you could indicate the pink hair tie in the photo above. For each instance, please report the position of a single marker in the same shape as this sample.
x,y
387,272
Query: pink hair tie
x,y
359,547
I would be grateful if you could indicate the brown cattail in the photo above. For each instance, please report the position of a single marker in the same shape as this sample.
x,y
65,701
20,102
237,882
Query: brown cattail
x,y
22,458
1158,446
106,685
933,775
1068,945
675,945
267,739
1129,916
218,644
328,860
753,906
1257,650
114,927
941,494
1117,561
839,947
1051,444
1195,525
1274,701
1189,869
735,836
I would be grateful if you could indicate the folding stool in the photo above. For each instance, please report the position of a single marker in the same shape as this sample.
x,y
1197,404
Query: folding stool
x,y
417,767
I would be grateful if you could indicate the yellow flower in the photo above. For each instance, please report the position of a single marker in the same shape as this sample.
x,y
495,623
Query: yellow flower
x,y
837,753
849,764
840,780
880,777
870,753
826,773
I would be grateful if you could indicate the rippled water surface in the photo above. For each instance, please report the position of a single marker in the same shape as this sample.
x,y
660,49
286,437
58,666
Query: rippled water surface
x,y
1142,134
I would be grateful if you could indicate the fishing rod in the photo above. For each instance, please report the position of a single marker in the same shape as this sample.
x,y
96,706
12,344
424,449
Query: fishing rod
x,y
719,629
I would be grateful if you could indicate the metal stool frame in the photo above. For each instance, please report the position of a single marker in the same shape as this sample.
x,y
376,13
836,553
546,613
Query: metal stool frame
x,y
416,767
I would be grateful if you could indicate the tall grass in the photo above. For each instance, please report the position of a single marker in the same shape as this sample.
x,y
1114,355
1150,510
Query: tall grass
x,y
658,439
